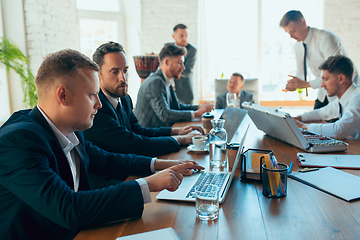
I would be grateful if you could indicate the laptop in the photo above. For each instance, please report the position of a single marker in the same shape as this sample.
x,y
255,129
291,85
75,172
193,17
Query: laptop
x,y
281,126
233,117
186,190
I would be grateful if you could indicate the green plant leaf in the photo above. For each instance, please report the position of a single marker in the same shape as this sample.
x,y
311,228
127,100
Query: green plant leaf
x,y
12,57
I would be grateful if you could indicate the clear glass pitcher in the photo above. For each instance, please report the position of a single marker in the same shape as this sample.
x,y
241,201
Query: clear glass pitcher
x,y
217,143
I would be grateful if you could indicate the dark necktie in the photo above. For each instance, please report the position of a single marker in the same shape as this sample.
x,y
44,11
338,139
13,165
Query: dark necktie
x,y
340,110
118,109
305,70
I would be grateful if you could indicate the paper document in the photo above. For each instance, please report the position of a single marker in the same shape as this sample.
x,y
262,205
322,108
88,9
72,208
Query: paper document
x,y
333,181
166,233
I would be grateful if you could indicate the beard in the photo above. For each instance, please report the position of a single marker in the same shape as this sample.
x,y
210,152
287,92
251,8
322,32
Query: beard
x,y
118,92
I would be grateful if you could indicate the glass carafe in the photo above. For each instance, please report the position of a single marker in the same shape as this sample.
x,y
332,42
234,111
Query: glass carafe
x,y
217,143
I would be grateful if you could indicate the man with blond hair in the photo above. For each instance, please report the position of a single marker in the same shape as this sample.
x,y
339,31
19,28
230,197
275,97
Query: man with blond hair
x,y
44,164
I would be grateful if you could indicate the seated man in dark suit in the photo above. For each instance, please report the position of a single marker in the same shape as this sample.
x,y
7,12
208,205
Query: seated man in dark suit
x,y
235,84
44,189
157,104
120,131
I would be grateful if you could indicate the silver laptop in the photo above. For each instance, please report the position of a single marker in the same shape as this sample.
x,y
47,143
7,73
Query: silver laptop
x,y
186,190
233,118
281,126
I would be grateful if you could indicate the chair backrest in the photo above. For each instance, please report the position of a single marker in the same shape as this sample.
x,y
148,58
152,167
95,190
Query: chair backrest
x,y
251,85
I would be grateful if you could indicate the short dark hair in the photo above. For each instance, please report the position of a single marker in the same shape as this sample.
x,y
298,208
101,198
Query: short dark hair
x,y
61,66
180,26
236,74
291,16
105,48
171,50
339,64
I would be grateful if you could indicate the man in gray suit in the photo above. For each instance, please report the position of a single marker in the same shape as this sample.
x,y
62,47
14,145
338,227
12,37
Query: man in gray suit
x,y
235,84
157,104
183,87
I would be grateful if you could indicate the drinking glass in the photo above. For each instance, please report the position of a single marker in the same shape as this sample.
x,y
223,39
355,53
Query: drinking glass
x,y
231,99
207,202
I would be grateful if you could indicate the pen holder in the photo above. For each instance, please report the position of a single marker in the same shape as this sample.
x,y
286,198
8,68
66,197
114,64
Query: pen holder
x,y
275,181
251,161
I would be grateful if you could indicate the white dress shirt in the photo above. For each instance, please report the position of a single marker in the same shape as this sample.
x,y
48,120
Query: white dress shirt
x,y
67,143
349,122
320,45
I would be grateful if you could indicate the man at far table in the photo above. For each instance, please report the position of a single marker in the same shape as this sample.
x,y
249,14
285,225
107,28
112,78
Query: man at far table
x,y
235,84
337,81
157,104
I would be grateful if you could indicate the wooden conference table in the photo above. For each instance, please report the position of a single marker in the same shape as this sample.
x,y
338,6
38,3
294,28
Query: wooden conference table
x,y
305,213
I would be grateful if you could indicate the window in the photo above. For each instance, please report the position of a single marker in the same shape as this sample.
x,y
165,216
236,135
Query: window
x,y
4,90
244,36
100,22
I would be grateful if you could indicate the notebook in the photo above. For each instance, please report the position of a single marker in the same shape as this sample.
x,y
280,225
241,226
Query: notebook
x,y
165,233
233,117
332,181
186,190
281,126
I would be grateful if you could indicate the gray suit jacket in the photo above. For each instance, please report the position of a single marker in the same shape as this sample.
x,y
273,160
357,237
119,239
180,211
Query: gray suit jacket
x,y
184,86
245,96
152,108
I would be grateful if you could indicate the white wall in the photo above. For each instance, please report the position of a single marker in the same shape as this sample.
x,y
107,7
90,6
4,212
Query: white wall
x,y
51,25
342,18
148,26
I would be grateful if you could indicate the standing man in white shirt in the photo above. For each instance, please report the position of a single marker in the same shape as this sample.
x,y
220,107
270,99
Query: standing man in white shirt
x,y
313,47
337,81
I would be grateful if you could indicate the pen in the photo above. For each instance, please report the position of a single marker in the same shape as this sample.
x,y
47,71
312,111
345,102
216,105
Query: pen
x,y
308,169
290,166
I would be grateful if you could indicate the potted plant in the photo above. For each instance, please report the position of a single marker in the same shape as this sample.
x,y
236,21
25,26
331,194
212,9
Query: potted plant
x,y
12,58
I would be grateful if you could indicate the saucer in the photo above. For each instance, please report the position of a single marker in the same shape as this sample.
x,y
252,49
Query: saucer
x,y
192,148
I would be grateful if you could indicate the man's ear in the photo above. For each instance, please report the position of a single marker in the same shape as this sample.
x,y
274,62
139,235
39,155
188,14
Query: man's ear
x,y
167,61
173,36
342,78
61,95
303,23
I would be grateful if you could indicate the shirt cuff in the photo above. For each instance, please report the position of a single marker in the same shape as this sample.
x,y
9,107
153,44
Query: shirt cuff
x,y
175,140
152,164
145,191
192,115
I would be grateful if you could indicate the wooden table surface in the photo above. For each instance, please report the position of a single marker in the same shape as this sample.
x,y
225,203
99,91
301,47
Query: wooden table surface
x,y
305,213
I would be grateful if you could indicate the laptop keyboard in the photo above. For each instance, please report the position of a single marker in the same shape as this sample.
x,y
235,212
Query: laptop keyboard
x,y
319,140
216,179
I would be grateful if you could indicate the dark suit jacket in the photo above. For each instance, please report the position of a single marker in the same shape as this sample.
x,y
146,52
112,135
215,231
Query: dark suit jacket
x,y
245,96
109,134
36,186
184,85
152,108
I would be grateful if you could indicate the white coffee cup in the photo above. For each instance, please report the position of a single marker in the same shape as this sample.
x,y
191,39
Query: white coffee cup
x,y
199,142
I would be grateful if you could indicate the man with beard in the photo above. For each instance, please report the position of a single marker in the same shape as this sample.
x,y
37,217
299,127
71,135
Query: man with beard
x,y
183,86
337,81
115,128
157,104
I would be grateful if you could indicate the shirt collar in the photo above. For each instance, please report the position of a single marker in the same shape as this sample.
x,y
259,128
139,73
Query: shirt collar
x,y
68,142
347,95
309,36
114,102
167,80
